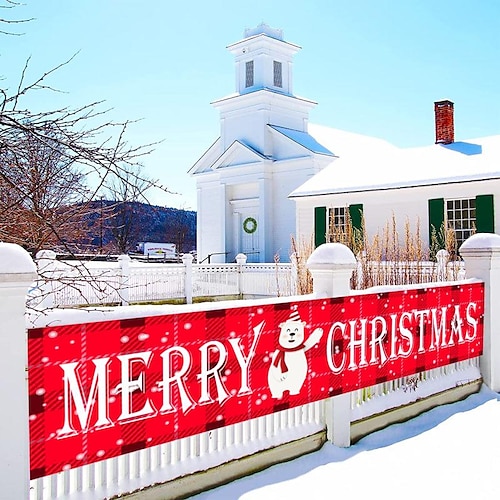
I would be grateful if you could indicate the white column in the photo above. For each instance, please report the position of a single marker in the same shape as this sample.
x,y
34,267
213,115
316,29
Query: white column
x,y
481,253
266,223
223,242
17,273
331,266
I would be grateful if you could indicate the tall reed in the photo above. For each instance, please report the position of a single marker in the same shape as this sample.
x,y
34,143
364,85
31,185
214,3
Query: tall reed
x,y
387,258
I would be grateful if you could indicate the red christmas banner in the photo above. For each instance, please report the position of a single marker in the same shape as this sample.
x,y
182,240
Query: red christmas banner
x,y
99,390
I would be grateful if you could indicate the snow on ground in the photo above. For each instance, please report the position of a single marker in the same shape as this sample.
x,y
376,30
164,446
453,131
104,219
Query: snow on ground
x,y
452,451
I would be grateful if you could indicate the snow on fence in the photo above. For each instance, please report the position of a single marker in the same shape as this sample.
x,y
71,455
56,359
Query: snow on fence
x,y
175,459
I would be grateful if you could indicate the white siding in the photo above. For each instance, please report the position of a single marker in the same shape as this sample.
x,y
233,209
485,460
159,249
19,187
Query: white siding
x,y
404,203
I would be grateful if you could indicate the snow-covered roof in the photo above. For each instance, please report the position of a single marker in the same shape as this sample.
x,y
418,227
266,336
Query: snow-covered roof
x,y
369,164
304,139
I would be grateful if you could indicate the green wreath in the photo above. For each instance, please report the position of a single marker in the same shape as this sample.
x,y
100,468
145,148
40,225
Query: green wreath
x,y
249,225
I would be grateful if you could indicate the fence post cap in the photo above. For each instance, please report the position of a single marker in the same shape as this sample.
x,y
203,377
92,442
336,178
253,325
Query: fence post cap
x,y
124,257
241,258
481,241
336,254
14,259
46,254
187,257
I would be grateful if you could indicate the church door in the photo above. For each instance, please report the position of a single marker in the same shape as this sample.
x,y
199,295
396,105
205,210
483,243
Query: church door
x,y
249,237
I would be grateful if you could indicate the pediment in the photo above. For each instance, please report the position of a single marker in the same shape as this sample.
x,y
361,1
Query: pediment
x,y
205,162
236,155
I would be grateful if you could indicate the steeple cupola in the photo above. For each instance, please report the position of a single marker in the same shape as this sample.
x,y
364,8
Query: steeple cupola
x,y
263,61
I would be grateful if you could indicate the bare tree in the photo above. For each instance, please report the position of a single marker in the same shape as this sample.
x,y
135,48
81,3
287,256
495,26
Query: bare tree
x,y
42,200
10,4
56,159
127,190
179,230
55,163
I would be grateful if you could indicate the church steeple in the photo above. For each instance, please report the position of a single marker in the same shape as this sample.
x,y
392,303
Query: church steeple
x,y
263,61
264,92
264,152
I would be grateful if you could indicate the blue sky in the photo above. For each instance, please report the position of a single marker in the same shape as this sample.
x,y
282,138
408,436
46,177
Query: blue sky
x,y
374,68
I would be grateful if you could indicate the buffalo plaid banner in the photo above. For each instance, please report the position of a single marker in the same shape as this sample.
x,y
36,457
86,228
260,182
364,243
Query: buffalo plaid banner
x,y
99,390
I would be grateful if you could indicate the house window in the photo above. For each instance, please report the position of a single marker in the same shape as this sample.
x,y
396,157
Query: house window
x,y
249,74
461,217
278,74
336,222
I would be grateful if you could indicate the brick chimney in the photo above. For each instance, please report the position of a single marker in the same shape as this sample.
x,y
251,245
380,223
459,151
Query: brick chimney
x,y
445,130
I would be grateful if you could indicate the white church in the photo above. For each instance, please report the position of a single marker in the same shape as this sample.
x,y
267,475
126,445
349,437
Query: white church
x,y
263,153
271,175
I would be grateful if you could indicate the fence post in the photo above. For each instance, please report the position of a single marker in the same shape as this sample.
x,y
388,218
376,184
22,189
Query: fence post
x,y
124,291
46,263
187,260
331,266
442,265
481,253
241,260
17,273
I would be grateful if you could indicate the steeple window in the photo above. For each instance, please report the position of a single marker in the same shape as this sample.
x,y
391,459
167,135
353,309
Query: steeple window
x,y
278,74
249,74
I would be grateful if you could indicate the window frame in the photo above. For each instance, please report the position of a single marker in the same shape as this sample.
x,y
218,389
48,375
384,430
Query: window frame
x,y
460,215
337,218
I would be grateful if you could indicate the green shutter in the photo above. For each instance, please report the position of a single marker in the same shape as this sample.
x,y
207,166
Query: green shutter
x,y
485,221
436,220
319,226
356,215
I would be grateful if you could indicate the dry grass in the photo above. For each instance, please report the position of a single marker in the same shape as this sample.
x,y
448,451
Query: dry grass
x,y
301,250
388,258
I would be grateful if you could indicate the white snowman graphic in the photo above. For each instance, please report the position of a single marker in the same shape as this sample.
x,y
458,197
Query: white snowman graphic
x,y
288,369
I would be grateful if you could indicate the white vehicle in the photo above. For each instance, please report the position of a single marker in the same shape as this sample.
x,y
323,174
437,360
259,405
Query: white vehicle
x,y
156,250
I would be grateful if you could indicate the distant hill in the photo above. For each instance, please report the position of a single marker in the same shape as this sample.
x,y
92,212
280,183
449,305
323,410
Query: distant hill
x,y
119,226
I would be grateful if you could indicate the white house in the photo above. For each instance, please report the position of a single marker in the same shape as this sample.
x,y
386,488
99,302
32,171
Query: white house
x,y
263,153
452,182
271,175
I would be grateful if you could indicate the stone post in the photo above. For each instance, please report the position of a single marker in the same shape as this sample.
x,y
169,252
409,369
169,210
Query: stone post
x,y
481,253
187,260
17,273
331,266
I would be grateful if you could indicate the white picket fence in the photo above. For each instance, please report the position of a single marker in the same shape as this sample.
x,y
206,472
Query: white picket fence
x,y
80,283
173,460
